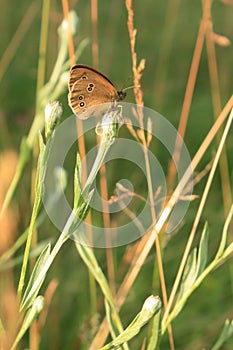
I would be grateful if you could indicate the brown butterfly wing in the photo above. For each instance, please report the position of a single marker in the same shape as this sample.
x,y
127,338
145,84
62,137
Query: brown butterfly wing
x,y
88,88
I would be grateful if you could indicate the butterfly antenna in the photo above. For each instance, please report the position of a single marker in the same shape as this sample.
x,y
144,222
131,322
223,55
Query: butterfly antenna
x,y
131,87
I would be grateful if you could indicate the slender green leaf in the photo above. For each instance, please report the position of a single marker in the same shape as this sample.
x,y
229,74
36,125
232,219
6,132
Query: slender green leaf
x,y
155,332
188,279
224,234
226,333
203,250
151,306
189,274
34,253
196,263
89,258
228,251
81,213
112,327
31,314
27,301
77,181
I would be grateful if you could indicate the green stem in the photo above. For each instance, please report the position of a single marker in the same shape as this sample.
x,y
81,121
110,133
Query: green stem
x,y
61,240
103,149
196,284
35,211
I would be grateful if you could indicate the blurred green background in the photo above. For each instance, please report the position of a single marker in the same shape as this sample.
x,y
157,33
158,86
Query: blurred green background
x,y
164,80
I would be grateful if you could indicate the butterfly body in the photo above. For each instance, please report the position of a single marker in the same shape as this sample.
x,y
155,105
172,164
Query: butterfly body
x,y
88,88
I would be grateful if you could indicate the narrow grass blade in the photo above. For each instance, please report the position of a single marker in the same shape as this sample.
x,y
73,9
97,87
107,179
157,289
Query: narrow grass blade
x,y
203,250
26,301
32,313
224,234
151,306
77,181
155,332
226,333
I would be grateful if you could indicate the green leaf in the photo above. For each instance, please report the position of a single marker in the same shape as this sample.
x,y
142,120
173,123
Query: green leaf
x,y
81,212
112,327
34,253
31,314
226,333
189,275
203,250
41,166
77,181
155,332
151,306
28,298
89,259
188,279
224,234
195,265
228,251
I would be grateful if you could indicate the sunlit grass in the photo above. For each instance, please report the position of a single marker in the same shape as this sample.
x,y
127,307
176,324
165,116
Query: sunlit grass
x,y
113,273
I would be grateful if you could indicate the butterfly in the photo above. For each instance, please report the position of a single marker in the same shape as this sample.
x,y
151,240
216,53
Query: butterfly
x,y
88,88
